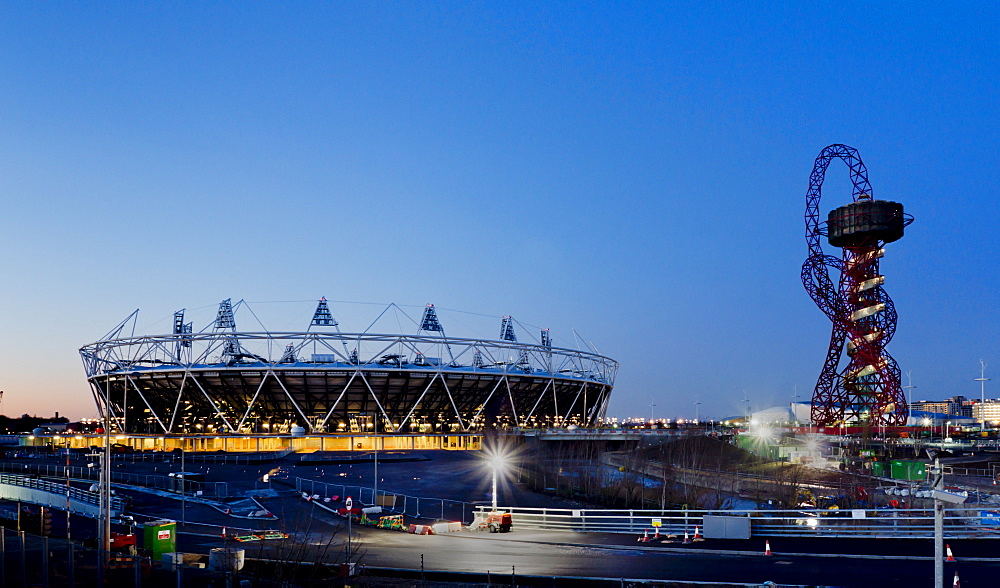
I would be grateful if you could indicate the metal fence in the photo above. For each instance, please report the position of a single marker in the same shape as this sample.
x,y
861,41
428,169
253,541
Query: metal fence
x,y
959,523
33,560
420,507
214,489
194,457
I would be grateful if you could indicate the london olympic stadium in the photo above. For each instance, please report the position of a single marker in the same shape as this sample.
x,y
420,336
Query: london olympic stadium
x,y
221,380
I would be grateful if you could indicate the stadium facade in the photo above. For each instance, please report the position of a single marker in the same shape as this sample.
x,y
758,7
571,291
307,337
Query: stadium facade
x,y
222,381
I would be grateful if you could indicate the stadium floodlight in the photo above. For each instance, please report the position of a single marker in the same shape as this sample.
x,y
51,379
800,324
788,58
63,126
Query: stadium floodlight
x,y
496,461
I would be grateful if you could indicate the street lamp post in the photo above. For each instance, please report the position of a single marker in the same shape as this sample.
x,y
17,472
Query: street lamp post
x,y
937,484
982,379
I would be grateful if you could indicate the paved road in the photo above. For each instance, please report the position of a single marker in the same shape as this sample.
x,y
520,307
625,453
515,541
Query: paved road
x,y
320,535
558,554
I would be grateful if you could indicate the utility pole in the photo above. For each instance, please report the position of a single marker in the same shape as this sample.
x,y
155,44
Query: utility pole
x,y
909,388
982,379
104,525
183,489
795,398
68,504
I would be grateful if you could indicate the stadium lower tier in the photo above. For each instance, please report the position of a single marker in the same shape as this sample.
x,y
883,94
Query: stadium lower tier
x,y
238,400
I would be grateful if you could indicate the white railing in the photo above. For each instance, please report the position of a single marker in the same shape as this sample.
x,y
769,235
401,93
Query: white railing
x,y
960,523
59,492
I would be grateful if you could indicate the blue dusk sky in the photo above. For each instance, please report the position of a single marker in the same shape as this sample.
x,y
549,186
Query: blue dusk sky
x,y
634,171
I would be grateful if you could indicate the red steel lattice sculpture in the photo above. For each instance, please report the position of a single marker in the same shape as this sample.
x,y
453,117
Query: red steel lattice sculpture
x,y
867,390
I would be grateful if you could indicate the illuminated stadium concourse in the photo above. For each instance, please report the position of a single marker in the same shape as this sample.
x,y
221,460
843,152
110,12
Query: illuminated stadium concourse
x,y
223,381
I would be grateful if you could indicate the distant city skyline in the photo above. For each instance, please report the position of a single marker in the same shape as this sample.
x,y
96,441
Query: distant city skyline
x,y
636,172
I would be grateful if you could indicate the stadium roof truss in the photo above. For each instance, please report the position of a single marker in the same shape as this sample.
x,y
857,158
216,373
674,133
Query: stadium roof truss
x,y
229,382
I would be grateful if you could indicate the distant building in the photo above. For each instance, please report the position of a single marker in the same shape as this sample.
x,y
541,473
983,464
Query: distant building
x,y
936,416
776,415
988,411
955,406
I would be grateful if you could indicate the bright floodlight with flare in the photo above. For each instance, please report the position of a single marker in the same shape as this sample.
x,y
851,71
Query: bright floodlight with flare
x,y
497,458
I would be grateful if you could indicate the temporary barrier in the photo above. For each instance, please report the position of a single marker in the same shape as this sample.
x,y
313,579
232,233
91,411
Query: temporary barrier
x,y
421,530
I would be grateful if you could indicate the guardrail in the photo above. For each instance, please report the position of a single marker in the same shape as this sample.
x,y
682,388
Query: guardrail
x,y
58,492
980,472
960,523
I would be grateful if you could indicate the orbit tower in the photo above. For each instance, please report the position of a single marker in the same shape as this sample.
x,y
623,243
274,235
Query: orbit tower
x,y
867,390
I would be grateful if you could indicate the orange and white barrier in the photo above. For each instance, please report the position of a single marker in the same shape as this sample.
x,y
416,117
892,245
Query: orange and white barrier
x,y
421,530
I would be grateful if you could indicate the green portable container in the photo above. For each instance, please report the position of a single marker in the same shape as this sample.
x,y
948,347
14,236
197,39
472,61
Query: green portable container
x,y
908,470
160,537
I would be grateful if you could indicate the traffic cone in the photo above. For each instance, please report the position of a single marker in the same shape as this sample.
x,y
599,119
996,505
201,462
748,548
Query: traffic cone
x,y
948,555
767,547
957,583
686,538
697,534
223,532
656,534
645,536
